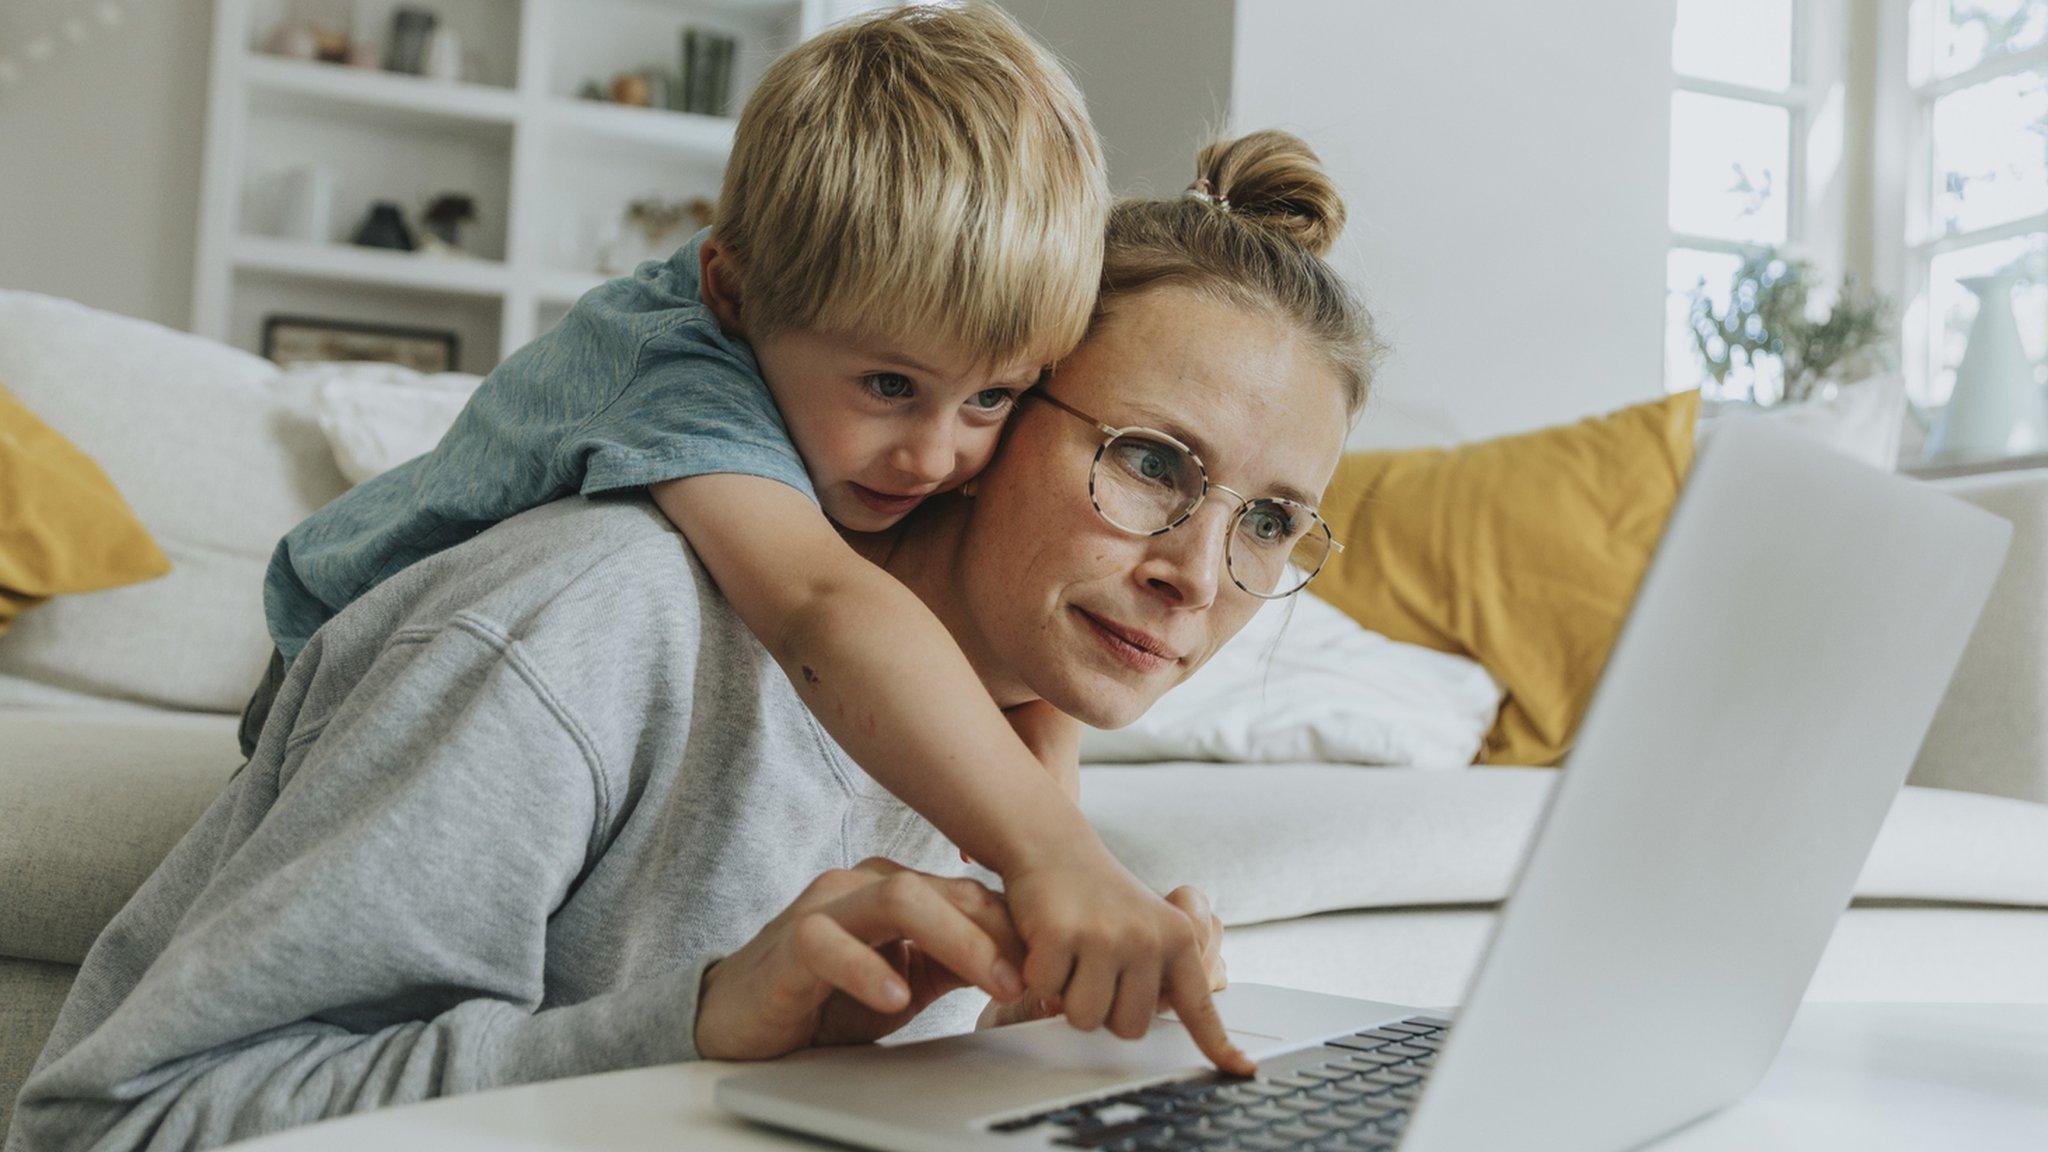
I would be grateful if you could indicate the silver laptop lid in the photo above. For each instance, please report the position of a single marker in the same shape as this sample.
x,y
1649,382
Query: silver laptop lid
x,y
1761,708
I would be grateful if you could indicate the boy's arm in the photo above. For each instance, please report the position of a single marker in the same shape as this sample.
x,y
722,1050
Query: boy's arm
x,y
874,665
1054,739
887,680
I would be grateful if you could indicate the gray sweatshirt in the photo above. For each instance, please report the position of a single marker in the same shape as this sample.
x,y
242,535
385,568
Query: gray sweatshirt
x,y
506,810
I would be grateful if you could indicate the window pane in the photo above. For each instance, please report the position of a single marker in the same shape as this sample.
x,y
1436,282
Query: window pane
x,y
1729,165
1965,33
1951,308
1991,152
1737,41
1687,270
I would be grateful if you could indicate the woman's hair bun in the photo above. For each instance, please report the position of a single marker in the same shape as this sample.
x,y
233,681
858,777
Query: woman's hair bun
x,y
1274,179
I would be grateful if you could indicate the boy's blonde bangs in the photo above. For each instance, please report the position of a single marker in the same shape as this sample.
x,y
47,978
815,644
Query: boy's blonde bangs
x,y
928,173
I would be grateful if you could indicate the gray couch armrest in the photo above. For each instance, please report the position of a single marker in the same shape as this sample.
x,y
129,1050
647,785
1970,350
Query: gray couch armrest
x,y
1991,732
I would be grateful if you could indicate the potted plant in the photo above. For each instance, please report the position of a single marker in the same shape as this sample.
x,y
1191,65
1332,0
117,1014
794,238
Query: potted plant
x,y
1769,323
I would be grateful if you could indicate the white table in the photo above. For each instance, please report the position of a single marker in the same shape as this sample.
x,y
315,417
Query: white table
x,y
1867,1077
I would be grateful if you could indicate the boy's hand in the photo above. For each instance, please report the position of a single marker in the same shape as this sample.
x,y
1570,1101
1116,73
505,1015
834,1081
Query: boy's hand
x,y
1107,949
1192,902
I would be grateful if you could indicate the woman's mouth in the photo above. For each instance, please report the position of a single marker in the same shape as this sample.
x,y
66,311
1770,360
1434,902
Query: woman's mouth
x,y
884,503
1138,650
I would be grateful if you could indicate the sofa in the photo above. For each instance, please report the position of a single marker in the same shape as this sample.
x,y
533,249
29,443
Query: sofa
x,y
1381,880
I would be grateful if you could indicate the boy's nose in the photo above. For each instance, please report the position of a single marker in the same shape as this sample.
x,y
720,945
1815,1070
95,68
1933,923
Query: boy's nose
x,y
927,459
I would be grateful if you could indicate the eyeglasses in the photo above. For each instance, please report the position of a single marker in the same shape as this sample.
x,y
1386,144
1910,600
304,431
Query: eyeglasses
x,y
1147,483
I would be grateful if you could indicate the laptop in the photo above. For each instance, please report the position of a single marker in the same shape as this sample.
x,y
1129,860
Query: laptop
x,y
1761,707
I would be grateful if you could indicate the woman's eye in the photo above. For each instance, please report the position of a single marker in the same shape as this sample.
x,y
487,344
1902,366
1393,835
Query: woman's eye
x,y
1269,525
1154,463
992,400
889,385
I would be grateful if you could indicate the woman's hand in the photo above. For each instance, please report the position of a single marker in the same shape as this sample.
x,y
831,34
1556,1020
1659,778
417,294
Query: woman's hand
x,y
1208,930
858,955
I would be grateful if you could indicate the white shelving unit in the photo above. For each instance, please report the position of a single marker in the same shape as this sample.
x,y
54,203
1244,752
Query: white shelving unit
x,y
549,172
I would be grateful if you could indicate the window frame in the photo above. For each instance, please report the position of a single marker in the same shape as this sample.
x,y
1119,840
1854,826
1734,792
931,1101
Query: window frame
x,y
1816,104
1909,242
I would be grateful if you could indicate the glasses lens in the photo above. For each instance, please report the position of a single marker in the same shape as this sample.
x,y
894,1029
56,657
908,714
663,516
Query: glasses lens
x,y
1276,547
1144,484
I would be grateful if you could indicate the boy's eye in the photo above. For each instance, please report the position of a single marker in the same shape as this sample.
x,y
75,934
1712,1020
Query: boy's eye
x,y
889,385
990,400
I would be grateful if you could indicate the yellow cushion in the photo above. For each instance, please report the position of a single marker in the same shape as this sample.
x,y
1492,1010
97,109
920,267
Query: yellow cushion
x,y
63,526
1522,553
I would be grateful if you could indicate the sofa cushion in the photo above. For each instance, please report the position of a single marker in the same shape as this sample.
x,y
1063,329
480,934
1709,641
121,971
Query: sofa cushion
x,y
1303,681
1523,553
90,803
1991,732
64,527
1285,841
217,457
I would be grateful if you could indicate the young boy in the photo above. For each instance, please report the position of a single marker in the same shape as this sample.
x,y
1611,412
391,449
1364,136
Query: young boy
x,y
910,229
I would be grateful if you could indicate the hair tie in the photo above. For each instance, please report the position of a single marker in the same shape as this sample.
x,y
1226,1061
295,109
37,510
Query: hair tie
x,y
1200,191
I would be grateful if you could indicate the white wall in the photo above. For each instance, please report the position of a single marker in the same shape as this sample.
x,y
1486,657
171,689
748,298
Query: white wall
x,y
1505,168
1156,74
100,155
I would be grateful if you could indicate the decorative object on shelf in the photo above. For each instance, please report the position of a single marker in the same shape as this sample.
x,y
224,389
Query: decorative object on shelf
x,y
1996,408
411,29
1767,331
385,227
444,218
706,73
305,206
289,340
294,42
631,89
654,229
443,56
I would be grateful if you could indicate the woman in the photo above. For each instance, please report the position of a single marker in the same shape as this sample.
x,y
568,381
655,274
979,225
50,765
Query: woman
x,y
478,845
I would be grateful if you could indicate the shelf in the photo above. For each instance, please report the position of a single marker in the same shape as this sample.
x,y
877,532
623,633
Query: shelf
x,y
385,97
376,266
703,137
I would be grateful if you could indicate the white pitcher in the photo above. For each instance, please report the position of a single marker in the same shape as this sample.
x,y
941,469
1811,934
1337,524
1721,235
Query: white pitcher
x,y
1996,409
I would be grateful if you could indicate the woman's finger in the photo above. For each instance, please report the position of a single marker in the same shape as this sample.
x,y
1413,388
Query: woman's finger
x,y
988,910
831,955
911,905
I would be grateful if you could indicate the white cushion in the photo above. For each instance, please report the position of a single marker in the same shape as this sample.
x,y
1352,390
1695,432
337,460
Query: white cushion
x,y
378,416
219,460
1863,419
1427,956
1286,841
1305,682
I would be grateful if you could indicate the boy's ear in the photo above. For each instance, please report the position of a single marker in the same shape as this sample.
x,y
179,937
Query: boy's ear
x,y
718,282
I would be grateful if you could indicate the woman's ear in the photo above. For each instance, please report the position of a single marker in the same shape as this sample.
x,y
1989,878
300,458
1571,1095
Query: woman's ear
x,y
718,282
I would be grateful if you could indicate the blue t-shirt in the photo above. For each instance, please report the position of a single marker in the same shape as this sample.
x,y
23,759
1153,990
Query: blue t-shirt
x,y
635,386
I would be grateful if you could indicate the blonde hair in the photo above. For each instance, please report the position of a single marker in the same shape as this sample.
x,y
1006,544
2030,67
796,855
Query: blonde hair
x,y
1255,234
926,171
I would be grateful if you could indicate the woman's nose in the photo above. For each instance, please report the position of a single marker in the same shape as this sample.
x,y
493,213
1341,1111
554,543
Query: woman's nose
x,y
1186,565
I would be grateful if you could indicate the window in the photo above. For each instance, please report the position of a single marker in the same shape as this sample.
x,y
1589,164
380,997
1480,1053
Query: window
x,y
1977,177
1739,122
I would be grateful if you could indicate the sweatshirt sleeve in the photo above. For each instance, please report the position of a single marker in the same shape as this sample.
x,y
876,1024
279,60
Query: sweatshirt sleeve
x,y
363,923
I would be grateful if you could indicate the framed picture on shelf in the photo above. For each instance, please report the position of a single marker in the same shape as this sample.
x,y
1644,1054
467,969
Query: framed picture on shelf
x,y
289,340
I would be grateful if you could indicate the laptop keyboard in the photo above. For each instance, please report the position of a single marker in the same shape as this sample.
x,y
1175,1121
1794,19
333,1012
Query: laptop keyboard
x,y
1351,1094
